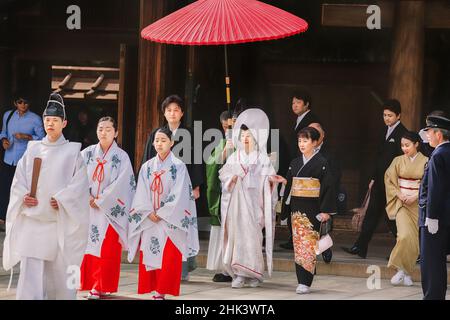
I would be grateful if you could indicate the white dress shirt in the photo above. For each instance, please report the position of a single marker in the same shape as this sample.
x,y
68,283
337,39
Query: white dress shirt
x,y
391,129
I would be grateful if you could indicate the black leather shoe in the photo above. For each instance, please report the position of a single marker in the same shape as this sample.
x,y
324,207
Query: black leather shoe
x,y
220,277
327,255
356,250
287,246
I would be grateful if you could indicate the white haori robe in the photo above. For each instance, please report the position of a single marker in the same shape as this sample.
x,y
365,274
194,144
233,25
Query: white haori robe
x,y
42,232
246,210
112,182
163,187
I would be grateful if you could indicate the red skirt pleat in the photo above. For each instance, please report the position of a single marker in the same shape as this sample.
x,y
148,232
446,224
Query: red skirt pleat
x,y
165,280
102,274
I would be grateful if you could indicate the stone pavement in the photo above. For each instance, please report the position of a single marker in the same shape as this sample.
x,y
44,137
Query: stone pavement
x,y
345,278
280,287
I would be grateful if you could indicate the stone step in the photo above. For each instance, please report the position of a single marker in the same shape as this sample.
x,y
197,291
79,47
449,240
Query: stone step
x,y
337,268
343,264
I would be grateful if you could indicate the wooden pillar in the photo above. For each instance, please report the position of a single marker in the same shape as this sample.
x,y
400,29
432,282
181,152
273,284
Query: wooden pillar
x,y
189,91
406,71
5,80
151,77
126,109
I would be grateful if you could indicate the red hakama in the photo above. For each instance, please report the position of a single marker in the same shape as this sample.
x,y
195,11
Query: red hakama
x,y
165,280
102,274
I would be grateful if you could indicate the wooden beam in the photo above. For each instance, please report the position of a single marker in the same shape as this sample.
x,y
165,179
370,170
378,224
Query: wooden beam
x,y
406,72
85,84
151,77
437,14
355,15
104,96
78,68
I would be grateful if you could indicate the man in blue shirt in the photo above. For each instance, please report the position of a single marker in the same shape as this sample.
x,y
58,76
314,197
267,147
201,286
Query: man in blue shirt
x,y
17,129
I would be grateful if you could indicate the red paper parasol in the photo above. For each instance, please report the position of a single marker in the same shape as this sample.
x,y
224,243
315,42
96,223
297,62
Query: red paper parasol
x,y
222,22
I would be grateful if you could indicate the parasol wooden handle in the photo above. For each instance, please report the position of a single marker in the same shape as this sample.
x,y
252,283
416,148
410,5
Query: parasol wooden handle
x,y
35,177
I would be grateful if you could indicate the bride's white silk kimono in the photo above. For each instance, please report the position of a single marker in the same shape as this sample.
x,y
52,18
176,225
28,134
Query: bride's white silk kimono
x,y
246,210
163,187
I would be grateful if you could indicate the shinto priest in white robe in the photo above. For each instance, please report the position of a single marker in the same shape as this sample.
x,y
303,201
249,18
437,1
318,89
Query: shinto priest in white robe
x,y
250,206
163,187
41,232
112,182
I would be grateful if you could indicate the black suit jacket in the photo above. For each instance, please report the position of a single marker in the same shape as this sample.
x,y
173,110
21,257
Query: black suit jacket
x,y
334,165
388,150
196,172
309,118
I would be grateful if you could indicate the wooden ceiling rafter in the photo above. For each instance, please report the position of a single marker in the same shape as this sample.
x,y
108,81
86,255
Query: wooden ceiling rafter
x,y
86,82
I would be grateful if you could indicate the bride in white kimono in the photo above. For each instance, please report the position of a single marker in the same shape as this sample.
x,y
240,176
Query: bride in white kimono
x,y
249,196
163,220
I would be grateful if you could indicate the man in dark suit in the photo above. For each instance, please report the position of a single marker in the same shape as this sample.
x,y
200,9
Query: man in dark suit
x,y
390,147
434,211
301,106
172,108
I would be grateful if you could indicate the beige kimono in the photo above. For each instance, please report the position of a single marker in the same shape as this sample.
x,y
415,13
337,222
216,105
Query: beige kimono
x,y
404,175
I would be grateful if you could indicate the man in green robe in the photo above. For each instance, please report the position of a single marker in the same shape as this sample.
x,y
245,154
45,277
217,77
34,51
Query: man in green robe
x,y
213,194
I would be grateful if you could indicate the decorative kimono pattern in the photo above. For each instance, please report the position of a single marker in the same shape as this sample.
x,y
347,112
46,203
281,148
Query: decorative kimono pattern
x,y
305,241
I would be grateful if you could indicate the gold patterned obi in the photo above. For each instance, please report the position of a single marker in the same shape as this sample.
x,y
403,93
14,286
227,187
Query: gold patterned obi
x,y
409,187
305,187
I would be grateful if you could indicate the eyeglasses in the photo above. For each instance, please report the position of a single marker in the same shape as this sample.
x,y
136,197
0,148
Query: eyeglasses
x,y
22,101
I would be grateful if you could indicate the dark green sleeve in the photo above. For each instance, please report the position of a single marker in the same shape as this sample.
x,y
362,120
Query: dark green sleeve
x,y
213,185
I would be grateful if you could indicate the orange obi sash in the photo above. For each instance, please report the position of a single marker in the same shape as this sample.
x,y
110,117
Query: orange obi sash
x,y
305,187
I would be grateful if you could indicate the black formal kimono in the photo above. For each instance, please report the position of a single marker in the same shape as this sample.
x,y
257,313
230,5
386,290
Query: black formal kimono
x,y
335,170
390,148
303,206
292,149
434,203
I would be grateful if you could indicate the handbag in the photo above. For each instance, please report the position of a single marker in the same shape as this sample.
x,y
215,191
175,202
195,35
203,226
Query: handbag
x,y
325,242
360,213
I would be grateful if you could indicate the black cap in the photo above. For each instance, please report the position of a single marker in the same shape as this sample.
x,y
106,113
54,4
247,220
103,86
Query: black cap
x,y
55,107
437,122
